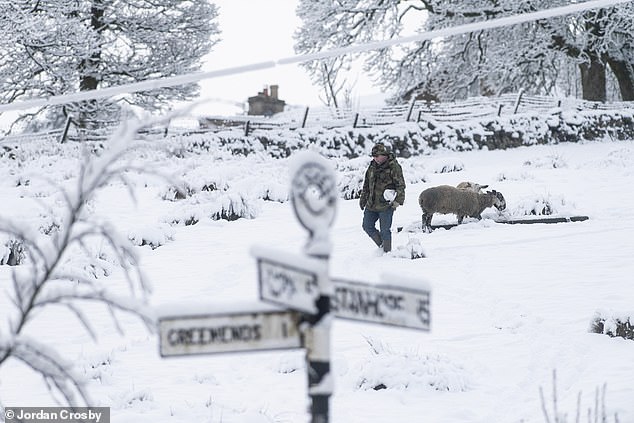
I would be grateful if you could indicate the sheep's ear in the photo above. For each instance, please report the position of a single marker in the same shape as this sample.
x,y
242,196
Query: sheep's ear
x,y
484,186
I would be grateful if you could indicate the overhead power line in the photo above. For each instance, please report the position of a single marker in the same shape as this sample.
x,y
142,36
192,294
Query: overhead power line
x,y
374,45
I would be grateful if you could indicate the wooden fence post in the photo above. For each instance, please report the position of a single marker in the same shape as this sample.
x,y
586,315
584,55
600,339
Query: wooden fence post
x,y
65,131
500,106
411,109
247,128
305,118
356,118
167,128
518,101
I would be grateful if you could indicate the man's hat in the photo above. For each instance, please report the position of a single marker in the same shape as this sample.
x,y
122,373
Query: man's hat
x,y
379,150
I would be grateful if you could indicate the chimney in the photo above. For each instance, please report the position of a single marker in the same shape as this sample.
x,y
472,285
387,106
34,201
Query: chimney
x,y
265,92
274,89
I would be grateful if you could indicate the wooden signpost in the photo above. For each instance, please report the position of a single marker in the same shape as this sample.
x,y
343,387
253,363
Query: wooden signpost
x,y
301,286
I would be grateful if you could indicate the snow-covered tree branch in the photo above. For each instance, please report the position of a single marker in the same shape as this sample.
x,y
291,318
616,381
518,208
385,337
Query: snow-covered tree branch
x,y
57,271
535,56
59,46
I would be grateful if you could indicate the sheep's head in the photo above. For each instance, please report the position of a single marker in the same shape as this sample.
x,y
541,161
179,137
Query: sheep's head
x,y
499,202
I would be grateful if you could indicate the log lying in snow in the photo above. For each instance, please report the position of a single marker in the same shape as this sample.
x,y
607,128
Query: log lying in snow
x,y
519,221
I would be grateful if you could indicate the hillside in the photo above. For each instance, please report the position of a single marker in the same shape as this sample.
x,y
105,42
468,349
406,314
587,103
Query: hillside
x,y
510,303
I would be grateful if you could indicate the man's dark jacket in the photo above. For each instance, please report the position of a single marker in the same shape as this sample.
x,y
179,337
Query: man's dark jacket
x,y
378,178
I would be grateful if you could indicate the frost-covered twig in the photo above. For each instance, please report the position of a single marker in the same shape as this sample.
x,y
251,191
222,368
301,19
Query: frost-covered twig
x,y
53,368
593,414
52,275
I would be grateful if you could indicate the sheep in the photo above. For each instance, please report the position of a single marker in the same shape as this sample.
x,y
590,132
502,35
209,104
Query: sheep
x,y
461,202
475,187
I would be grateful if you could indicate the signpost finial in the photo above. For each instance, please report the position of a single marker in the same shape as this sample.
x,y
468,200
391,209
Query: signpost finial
x,y
314,200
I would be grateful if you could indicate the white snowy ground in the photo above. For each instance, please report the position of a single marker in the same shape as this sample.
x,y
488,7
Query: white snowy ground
x,y
510,303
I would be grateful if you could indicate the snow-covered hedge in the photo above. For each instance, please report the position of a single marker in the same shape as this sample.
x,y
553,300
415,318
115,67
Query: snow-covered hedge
x,y
11,252
387,368
613,324
416,138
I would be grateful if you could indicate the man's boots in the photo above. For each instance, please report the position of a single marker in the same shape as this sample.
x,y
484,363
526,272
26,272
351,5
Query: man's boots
x,y
377,239
387,245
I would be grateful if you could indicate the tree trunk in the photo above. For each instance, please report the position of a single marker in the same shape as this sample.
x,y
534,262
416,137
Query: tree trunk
x,y
624,73
90,79
593,81
89,74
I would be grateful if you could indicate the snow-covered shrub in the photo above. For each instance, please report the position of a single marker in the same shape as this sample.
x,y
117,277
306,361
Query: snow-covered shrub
x,y
91,262
350,185
414,171
350,176
98,367
522,176
137,399
178,192
188,215
154,236
613,324
412,250
49,225
22,182
265,182
277,193
447,166
388,369
262,188
8,152
215,205
12,252
553,161
541,205
232,206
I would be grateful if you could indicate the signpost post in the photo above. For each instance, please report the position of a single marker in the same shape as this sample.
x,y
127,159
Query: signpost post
x,y
301,285
314,200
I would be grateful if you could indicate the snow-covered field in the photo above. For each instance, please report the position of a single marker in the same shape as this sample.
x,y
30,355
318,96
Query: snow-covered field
x,y
511,304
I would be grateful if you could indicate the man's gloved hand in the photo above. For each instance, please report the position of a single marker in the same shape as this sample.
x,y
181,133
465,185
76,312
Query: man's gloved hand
x,y
394,204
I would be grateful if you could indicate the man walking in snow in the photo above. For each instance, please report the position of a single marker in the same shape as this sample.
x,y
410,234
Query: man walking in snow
x,y
383,191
